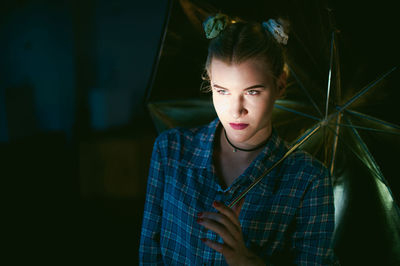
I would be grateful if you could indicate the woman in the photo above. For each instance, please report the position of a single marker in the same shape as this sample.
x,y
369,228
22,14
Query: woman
x,y
288,218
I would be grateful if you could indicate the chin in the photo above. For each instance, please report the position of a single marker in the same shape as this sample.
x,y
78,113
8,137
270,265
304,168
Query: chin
x,y
239,136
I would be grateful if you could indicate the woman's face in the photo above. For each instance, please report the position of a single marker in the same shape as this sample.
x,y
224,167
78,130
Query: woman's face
x,y
243,95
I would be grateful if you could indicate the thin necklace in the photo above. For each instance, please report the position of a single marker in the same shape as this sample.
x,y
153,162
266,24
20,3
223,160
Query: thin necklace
x,y
235,149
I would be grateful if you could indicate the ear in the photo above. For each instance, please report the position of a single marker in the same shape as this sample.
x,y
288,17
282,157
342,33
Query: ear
x,y
281,84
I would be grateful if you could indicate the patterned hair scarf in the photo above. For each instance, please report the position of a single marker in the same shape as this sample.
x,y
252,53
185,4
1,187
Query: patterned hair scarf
x,y
214,25
277,30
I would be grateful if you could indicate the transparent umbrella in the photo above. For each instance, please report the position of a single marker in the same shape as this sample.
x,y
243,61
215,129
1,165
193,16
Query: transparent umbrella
x,y
338,107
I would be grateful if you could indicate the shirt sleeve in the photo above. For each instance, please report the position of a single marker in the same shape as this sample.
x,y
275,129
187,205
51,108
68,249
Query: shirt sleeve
x,y
149,250
312,239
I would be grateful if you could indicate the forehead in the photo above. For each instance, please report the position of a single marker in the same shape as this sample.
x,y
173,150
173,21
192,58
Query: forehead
x,y
243,73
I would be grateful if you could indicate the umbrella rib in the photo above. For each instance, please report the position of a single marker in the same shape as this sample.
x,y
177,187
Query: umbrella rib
x,y
365,148
305,49
296,112
365,90
379,173
282,122
329,76
305,90
157,59
366,128
348,146
373,119
306,136
335,143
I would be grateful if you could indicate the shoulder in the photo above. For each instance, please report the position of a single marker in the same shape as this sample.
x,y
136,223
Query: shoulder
x,y
306,161
304,168
182,137
179,141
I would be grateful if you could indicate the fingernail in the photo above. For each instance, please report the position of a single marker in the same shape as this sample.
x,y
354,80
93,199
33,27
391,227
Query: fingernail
x,y
199,214
216,203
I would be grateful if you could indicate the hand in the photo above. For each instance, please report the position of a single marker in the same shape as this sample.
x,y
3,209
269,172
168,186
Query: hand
x,y
226,224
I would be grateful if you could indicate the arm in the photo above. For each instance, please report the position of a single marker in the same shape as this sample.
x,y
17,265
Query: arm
x,y
149,250
315,224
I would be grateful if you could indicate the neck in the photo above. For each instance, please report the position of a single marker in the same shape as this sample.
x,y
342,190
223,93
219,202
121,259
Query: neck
x,y
229,146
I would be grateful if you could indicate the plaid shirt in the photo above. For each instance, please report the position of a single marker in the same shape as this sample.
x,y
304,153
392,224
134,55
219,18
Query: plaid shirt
x,y
287,218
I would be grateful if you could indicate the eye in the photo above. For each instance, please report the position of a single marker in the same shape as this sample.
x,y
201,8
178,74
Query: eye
x,y
222,92
253,92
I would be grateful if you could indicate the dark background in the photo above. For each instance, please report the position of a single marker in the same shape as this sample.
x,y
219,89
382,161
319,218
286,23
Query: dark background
x,y
75,136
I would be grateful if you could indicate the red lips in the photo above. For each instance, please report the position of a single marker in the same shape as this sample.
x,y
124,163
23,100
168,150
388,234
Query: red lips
x,y
239,126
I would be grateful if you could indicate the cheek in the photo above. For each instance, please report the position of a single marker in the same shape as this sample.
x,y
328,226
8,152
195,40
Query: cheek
x,y
220,104
262,107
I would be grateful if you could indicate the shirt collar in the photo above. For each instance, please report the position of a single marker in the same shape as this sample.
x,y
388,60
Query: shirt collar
x,y
273,150
199,144
207,145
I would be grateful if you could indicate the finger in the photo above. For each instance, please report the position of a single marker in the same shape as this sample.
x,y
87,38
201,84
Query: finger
x,y
219,229
238,206
228,212
221,248
225,221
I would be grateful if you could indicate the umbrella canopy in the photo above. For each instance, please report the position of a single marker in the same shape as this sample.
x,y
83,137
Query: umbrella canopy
x,y
340,100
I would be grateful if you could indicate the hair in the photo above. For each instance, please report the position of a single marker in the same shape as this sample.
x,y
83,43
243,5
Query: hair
x,y
241,41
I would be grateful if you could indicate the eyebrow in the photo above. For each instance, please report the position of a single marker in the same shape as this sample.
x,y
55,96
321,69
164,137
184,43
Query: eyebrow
x,y
249,88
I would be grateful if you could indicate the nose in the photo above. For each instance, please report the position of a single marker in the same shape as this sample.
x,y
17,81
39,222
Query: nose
x,y
237,107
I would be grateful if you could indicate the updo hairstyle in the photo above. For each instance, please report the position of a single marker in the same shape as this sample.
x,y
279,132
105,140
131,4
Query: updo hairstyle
x,y
240,41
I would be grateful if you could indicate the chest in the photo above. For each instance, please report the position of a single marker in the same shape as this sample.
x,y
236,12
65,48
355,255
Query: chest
x,y
230,166
264,216
228,170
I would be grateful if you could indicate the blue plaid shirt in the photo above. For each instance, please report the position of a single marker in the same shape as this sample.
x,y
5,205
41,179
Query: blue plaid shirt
x,y
287,218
